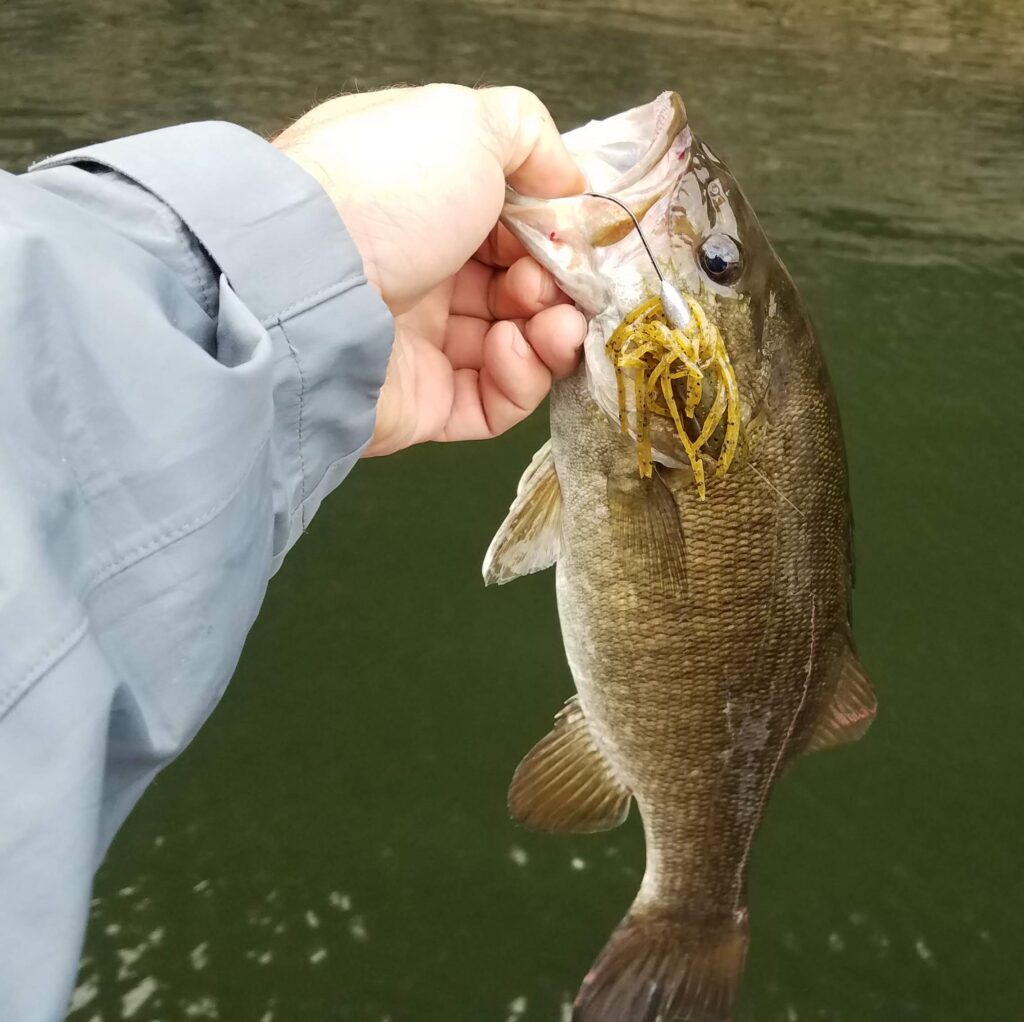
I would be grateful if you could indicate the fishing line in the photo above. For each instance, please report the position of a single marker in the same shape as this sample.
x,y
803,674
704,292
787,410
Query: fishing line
x,y
803,514
636,224
677,312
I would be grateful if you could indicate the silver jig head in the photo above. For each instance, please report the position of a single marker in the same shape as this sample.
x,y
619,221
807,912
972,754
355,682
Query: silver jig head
x,y
677,312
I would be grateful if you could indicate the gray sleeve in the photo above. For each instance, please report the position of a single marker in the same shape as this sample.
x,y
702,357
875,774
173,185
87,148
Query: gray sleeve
x,y
190,359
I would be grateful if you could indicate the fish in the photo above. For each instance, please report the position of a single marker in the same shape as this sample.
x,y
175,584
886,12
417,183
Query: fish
x,y
703,556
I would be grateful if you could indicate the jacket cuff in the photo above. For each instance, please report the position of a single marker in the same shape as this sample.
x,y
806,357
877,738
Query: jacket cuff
x,y
277,238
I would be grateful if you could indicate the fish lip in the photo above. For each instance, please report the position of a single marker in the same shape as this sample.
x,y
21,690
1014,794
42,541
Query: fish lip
x,y
670,122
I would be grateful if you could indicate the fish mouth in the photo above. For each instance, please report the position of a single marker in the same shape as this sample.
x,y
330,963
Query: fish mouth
x,y
618,152
637,157
621,156
639,160
643,137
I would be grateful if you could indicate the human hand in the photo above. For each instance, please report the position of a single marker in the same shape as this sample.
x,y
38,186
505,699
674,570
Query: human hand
x,y
418,176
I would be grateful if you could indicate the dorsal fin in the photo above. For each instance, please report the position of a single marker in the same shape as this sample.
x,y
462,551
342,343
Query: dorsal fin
x,y
851,710
529,538
565,784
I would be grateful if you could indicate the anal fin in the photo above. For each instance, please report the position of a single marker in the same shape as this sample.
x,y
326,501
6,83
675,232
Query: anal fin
x,y
565,784
851,710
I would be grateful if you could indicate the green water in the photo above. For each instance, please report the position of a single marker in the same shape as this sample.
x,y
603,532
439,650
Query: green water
x,y
334,846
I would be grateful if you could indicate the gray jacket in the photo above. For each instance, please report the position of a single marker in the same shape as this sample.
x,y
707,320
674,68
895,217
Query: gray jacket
x,y
190,358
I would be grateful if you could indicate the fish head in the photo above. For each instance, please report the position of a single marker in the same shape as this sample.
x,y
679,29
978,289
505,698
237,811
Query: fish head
x,y
701,235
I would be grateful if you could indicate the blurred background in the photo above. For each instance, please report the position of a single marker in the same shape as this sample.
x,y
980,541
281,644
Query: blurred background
x,y
335,846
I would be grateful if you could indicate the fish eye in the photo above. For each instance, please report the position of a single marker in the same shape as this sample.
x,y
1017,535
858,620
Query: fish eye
x,y
720,258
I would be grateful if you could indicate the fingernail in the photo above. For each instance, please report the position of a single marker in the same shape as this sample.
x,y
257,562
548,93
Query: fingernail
x,y
520,346
548,290
583,327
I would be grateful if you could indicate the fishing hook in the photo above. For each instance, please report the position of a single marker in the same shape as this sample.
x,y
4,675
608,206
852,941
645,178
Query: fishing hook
x,y
677,312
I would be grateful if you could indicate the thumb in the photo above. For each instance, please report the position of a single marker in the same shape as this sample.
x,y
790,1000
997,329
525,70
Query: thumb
x,y
532,154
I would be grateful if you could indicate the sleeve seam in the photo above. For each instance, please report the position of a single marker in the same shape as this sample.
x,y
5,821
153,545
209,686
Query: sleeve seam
x,y
300,425
315,298
291,311
55,653
350,455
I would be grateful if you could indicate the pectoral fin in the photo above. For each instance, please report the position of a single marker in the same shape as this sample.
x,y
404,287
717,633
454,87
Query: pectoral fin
x,y
645,524
528,539
566,784
851,710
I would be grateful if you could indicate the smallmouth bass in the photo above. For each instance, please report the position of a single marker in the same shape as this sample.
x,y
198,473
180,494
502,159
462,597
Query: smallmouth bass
x,y
700,527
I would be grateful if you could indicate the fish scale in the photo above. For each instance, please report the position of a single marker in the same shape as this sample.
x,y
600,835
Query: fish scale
x,y
657,673
707,635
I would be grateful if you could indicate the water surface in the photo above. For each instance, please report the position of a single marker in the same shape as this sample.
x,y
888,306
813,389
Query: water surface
x,y
334,846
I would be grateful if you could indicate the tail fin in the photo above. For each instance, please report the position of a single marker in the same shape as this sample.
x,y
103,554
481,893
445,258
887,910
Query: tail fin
x,y
661,968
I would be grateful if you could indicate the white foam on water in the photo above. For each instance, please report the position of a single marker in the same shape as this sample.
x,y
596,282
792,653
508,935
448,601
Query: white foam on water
x,y
85,992
517,1008
204,1007
342,902
198,956
137,997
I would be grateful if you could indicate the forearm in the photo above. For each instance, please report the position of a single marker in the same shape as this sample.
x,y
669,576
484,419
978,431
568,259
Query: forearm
x,y
191,359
